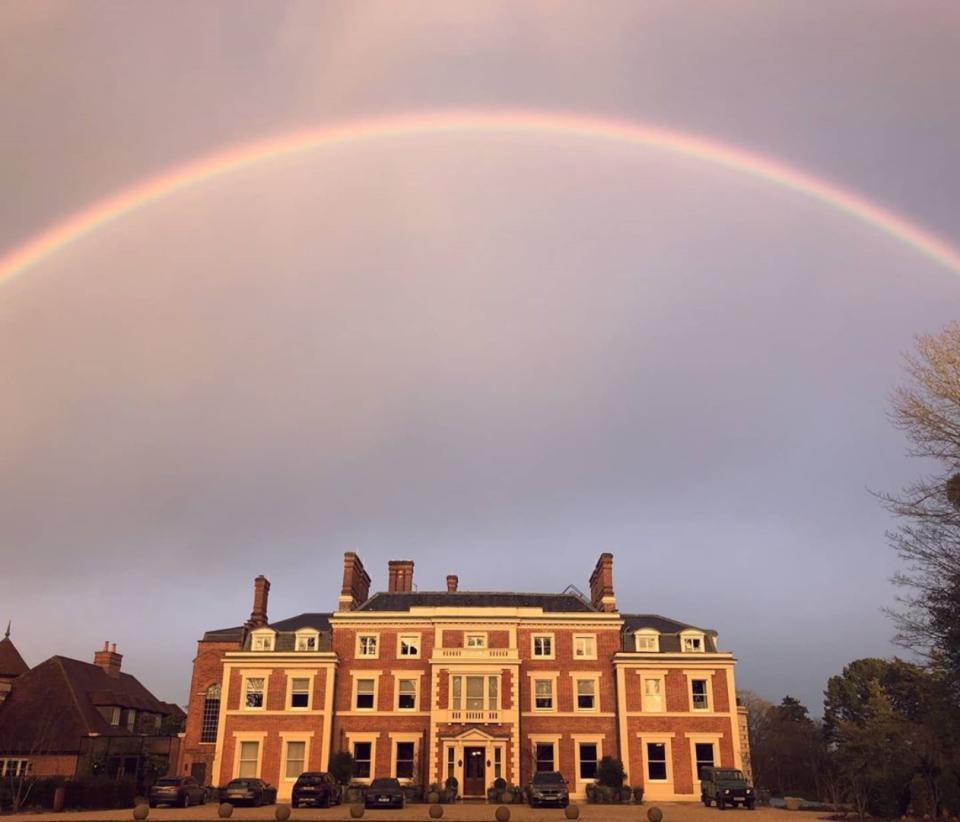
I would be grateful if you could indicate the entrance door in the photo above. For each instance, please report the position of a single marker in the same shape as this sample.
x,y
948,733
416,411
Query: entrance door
x,y
474,771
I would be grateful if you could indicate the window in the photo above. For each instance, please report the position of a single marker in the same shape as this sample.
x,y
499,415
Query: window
x,y
476,641
407,694
405,760
692,643
704,753
544,754
701,699
262,641
14,767
211,714
647,641
586,694
588,760
307,640
657,761
253,694
585,647
300,693
361,759
409,646
296,754
451,757
543,695
476,698
652,694
365,692
497,763
249,753
130,720
367,645
543,646
474,693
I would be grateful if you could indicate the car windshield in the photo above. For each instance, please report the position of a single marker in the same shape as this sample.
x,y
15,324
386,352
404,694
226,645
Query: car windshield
x,y
240,783
167,782
384,783
728,774
310,778
548,778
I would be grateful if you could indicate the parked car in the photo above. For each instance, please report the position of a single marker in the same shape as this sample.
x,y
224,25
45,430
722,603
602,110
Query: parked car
x,y
384,793
316,788
548,788
176,790
252,791
728,787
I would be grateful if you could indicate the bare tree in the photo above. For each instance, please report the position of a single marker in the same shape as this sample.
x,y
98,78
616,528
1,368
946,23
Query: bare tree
x,y
30,744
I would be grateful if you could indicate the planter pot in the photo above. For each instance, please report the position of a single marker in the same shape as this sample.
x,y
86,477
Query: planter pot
x,y
792,803
433,797
625,794
638,795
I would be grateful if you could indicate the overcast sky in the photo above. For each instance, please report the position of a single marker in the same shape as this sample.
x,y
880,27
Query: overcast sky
x,y
496,356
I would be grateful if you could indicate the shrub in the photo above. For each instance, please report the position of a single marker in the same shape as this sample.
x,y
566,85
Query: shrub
x,y
342,767
500,783
610,772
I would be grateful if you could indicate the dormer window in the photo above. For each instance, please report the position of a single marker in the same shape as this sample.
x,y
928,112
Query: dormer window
x,y
262,640
308,640
692,642
476,640
646,641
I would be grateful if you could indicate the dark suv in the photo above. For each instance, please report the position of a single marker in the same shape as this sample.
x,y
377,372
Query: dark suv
x,y
176,790
727,787
548,788
316,788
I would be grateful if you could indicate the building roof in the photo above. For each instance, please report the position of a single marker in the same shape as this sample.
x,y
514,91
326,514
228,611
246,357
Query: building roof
x,y
11,663
53,705
669,630
550,603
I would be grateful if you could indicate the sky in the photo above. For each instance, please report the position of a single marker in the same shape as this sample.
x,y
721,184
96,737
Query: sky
x,y
498,355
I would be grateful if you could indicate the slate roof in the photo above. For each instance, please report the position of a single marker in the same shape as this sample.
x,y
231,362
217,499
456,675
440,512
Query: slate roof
x,y
669,630
550,603
11,663
53,705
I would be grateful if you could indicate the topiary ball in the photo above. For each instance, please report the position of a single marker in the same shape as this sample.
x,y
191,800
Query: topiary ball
x,y
433,797
502,814
436,811
141,811
654,814
506,797
572,811
282,813
225,811
356,811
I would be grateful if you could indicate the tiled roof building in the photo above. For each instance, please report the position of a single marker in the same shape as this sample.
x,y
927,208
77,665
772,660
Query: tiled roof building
x,y
427,685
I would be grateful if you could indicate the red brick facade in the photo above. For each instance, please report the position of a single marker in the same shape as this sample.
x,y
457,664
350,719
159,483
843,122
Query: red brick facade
x,y
424,686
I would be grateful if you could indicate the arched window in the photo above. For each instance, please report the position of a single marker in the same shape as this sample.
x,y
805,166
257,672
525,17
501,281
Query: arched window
x,y
211,714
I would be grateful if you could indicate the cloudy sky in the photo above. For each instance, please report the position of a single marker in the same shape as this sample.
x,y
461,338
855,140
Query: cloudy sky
x,y
497,355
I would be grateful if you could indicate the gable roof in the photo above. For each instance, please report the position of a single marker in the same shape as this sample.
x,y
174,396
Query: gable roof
x,y
53,705
11,663
404,601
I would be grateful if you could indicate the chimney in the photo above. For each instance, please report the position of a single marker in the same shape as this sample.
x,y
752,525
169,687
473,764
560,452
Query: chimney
x,y
356,583
109,659
601,585
401,576
452,580
261,592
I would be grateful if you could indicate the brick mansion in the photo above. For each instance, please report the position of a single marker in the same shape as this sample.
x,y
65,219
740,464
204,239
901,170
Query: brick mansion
x,y
427,685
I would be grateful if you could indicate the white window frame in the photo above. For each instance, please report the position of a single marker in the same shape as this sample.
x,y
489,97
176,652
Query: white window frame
x,y
357,676
538,739
693,636
648,635
352,740
590,650
468,636
413,677
303,636
533,646
552,679
263,640
239,739
397,739
661,677
488,705
292,675
705,676
361,654
416,640
703,738
285,740
246,690
14,767
577,679
667,742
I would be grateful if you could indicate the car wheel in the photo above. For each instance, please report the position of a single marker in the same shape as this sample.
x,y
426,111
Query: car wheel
x,y
750,804
186,800
721,805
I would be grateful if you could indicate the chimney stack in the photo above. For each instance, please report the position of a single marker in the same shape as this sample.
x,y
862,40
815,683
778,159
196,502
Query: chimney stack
x,y
109,659
261,592
601,585
401,576
356,583
452,582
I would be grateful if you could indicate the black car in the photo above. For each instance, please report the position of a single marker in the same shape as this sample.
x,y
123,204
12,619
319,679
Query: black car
x,y
384,793
249,791
728,787
548,788
316,788
176,790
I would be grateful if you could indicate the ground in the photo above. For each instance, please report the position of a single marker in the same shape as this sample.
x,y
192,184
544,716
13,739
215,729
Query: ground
x,y
672,812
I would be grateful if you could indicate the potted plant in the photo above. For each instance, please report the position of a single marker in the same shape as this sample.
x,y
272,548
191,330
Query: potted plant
x,y
638,794
517,794
433,793
451,786
592,792
610,777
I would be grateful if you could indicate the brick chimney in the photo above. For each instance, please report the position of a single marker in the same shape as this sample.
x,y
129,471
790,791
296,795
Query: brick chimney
x,y
452,582
601,585
109,659
261,592
356,583
401,576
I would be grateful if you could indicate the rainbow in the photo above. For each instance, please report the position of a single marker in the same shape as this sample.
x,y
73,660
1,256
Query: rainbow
x,y
118,205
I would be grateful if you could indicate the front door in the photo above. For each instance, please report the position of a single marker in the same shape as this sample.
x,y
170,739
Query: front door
x,y
474,770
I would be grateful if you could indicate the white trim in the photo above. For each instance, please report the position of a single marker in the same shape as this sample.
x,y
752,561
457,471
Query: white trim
x,y
544,676
248,736
580,785
415,677
418,644
265,638
356,676
288,697
583,676
417,740
693,739
588,656
352,739
657,788
646,633
305,634
533,645
361,635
